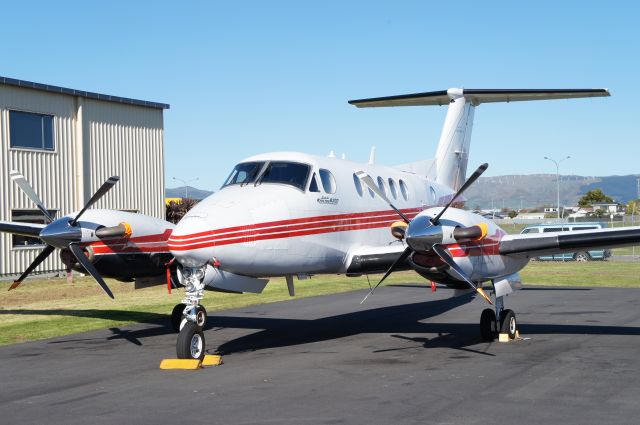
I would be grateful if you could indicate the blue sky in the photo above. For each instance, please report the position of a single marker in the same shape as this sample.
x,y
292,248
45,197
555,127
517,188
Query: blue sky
x,y
249,77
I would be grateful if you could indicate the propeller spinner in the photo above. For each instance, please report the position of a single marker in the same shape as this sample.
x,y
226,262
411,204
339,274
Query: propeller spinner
x,y
428,234
67,234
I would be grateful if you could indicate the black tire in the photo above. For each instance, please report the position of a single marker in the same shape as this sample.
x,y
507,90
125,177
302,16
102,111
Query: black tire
x,y
582,256
176,317
201,316
191,343
508,323
488,325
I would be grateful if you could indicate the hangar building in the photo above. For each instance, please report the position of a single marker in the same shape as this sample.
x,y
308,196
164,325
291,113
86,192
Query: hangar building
x,y
66,143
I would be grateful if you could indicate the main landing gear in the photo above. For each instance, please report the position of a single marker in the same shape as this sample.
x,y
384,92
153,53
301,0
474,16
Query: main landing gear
x,y
189,317
500,321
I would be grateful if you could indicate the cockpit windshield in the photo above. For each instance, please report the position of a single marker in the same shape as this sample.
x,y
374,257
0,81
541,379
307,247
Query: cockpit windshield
x,y
282,172
244,173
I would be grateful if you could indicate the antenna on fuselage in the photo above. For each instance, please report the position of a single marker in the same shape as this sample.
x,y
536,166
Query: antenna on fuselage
x,y
372,155
332,154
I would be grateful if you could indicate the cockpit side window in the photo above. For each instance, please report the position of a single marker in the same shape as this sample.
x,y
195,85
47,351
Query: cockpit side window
x,y
313,186
328,181
291,173
243,173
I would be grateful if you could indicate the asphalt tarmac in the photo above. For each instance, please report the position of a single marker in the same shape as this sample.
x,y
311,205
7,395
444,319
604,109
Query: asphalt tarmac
x,y
407,356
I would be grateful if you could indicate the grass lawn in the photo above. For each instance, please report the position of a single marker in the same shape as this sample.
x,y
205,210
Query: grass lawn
x,y
44,308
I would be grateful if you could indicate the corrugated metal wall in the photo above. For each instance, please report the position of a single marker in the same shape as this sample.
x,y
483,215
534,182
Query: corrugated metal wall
x,y
125,141
112,139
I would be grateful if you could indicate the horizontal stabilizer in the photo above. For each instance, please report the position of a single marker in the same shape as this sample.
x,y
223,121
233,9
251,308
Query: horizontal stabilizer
x,y
477,96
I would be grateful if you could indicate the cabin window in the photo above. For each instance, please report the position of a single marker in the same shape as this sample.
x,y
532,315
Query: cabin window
x,y
392,189
313,186
432,194
244,173
328,182
358,184
291,173
29,216
404,190
381,186
31,131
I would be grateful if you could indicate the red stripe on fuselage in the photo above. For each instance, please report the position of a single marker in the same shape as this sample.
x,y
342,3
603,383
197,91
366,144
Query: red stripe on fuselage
x,y
283,229
305,220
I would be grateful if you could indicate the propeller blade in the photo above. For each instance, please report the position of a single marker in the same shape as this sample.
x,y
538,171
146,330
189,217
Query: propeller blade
x,y
31,194
366,179
106,186
399,260
82,259
481,169
39,259
446,257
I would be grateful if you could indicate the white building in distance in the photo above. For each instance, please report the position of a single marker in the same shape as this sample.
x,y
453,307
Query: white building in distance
x,y
67,143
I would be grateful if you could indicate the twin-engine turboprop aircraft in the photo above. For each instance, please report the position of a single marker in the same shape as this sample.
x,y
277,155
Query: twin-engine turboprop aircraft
x,y
291,214
111,243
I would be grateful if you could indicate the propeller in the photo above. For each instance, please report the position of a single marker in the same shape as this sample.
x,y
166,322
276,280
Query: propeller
x,y
430,234
66,234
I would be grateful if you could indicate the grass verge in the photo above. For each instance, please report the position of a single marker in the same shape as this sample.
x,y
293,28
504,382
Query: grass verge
x,y
46,308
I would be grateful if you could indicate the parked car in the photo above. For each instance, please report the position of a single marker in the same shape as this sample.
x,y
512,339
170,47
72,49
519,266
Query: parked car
x,y
600,254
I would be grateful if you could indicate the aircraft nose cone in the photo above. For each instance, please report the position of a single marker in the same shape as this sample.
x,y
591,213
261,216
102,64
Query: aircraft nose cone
x,y
60,234
190,242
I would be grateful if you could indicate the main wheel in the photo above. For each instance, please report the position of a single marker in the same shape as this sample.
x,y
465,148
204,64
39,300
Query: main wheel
x,y
201,316
488,325
508,323
582,256
176,316
190,344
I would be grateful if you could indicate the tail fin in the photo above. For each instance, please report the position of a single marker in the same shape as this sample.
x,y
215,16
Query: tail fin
x,y
452,155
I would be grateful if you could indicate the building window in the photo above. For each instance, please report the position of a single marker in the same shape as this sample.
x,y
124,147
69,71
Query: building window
x,y
403,190
392,188
29,216
328,182
358,184
30,131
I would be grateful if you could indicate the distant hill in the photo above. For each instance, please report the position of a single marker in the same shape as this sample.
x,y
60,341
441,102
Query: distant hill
x,y
179,192
515,190
534,190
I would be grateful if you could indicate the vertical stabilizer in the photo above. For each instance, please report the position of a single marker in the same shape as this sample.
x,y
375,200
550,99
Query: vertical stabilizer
x,y
452,156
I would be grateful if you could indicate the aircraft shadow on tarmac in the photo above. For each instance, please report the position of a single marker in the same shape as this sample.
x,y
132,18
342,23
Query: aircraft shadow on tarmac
x,y
275,332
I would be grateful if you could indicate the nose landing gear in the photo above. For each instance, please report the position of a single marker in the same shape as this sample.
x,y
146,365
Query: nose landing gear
x,y
189,317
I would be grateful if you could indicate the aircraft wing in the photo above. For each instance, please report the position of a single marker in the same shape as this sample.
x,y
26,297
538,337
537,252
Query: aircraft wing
x,y
534,245
22,229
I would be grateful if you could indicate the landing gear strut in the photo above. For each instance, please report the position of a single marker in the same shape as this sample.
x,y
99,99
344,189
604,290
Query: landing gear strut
x,y
189,317
501,321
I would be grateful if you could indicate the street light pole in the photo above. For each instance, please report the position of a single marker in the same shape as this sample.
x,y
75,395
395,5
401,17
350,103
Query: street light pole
x,y
186,185
557,179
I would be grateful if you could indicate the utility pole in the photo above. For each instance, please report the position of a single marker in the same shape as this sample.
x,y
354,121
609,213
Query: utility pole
x,y
186,185
557,179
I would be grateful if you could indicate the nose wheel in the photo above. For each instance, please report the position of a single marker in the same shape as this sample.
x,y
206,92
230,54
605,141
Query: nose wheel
x,y
190,343
179,313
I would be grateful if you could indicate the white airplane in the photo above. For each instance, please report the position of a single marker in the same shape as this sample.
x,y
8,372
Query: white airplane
x,y
102,242
292,214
